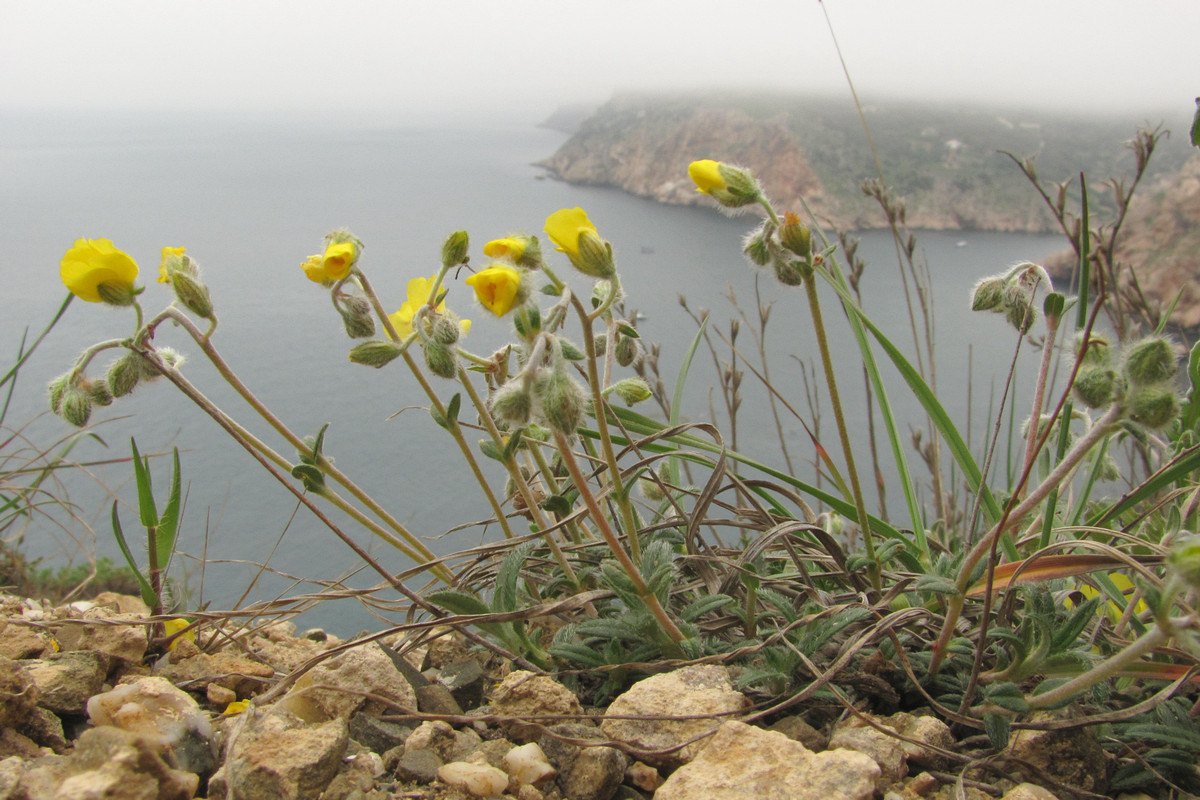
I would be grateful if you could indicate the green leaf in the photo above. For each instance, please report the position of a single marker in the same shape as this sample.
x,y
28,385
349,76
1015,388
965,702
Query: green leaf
x,y
578,653
452,409
458,602
168,523
997,727
1191,410
504,598
608,628
510,447
312,478
936,584
146,590
1008,696
141,472
491,450
557,504
705,605
1068,631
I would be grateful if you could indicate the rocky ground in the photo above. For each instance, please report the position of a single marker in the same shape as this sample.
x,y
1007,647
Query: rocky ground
x,y
89,711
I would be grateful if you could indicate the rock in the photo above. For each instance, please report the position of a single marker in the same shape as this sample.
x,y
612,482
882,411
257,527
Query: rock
x,y
119,638
465,681
432,735
112,763
11,770
1071,755
348,675
19,641
45,728
13,743
416,766
527,764
741,762
1029,791
377,734
643,776
796,729
18,694
122,603
277,755
522,695
433,698
66,680
152,708
884,749
239,674
220,696
585,773
697,691
285,654
480,780
924,730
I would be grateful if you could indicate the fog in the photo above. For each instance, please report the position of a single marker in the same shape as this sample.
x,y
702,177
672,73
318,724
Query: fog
x,y
518,59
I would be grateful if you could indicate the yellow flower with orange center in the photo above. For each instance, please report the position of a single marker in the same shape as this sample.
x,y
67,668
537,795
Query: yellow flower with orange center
x,y
510,247
418,295
497,288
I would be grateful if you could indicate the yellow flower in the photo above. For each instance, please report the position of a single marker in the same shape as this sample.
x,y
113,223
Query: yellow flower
x,y
564,227
314,269
510,247
497,288
418,295
236,707
97,272
706,174
338,259
173,626
167,253
1125,585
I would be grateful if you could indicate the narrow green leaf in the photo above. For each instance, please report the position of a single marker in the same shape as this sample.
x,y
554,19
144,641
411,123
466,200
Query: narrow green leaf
x,y
141,472
168,523
705,605
504,598
146,590
489,449
452,408
458,602
997,727
1068,631
578,653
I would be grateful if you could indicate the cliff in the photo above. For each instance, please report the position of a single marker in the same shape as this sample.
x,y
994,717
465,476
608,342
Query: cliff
x,y
944,162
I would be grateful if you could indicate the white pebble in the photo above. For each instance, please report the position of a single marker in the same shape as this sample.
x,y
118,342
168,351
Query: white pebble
x,y
480,780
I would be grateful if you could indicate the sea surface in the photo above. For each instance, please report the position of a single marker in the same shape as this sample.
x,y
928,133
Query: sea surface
x,y
251,198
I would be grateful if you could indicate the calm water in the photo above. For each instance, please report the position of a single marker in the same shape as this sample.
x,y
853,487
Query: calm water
x,y
251,199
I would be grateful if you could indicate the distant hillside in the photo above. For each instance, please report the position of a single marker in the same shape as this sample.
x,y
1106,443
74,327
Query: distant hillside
x,y
943,160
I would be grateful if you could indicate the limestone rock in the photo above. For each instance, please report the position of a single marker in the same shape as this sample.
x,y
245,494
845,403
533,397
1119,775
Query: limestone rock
x,y
1071,755
480,780
237,673
343,679
277,755
696,691
119,638
18,694
926,730
112,763
465,681
523,695
527,764
742,762
585,773
885,750
66,680
19,641
152,708
800,731
1029,791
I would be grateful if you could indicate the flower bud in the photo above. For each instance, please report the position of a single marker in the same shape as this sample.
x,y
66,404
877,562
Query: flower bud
x,y
123,375
76,406
595,256
988,295
1151,361
527,320
1098,387
1184,559
98,393
512,404
58,388
757,245
600,344
730,186
1053,306
441,359
454,249
1099,350
789,273
632,390
795,236
192,294
572,353
1021,314
1153,407
374,353
117,294
563,402
357,317
447,329
628,351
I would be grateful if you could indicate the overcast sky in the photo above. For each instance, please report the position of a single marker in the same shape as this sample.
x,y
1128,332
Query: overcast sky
x,y
516,58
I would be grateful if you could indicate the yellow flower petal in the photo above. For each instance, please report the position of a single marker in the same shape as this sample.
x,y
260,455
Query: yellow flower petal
x,y
418,295
565,226
167,252
236,707
91,263
706,174
314,269
173,626
338,259
496,288
509,247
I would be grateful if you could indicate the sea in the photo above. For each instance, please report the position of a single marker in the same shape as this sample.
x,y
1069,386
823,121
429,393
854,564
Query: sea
x,y
250,198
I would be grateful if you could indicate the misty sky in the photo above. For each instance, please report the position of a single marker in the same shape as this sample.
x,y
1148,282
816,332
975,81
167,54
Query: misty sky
x,y
521,58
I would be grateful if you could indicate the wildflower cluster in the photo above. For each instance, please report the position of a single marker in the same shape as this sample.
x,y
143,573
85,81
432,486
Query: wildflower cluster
x,y
1141,379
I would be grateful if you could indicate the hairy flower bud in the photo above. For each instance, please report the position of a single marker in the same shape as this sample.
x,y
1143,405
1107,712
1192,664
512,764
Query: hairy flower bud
x,y
595,256
1150,362
563,402
632,390
447,329
527,321
789,273
98,393
988,295
375,353
441,359
123,375
628,351
76,406
357,317
512,404
1021,314
795,236
1153,407
757,245
732,187
192,294
56,389
1184,559
454,249
1098,387
1099,350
